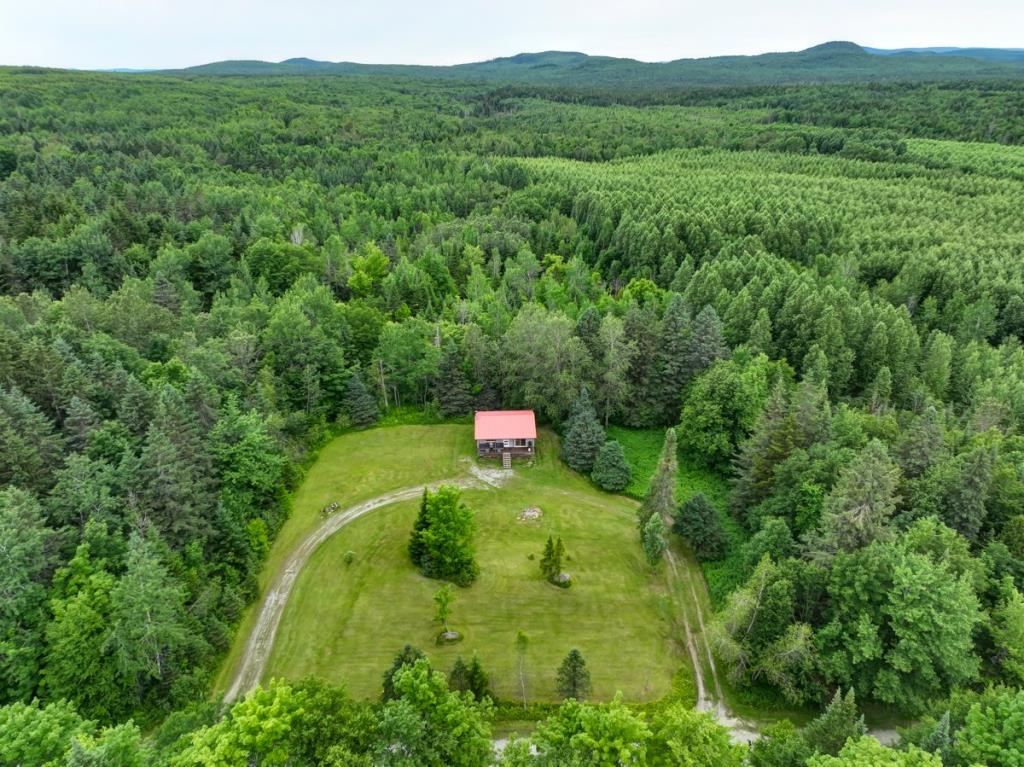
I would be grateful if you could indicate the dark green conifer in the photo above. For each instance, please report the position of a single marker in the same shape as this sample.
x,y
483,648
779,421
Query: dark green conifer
x,y
360,406
611,472
584,435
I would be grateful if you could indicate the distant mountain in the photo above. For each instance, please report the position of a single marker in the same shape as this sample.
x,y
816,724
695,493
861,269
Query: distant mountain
x,y
986,54
830,62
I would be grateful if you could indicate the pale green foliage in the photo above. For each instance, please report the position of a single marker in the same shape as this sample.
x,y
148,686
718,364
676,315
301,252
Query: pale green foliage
x,y
684,737
868,751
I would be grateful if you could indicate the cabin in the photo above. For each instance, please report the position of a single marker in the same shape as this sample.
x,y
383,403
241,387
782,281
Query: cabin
x,y
504,434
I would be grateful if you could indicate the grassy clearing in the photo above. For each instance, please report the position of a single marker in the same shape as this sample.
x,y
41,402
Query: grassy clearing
x,y
344,623
355,467
642,448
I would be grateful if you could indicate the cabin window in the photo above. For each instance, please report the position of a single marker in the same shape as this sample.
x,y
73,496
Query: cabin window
x,y
507,443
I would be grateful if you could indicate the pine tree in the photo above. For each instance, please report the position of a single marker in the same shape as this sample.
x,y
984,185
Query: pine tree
x,y
584,435
149,628
458,677
360,406
880,392
611,472
697,522
641,326
653,540
573,679
769,445
759,339
859,508
939,740
407,656
559,554
547,561
839,722
660,499
178,477
79,423
452,387
706,343
674,340
417,547
479,684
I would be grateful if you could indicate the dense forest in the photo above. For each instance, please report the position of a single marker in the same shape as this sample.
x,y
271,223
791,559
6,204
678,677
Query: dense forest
x,y
203,278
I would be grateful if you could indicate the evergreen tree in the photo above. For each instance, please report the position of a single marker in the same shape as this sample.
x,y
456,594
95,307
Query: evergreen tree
x,y
584,435
660,499
417,546
547,560
769,445
923,444
641,327
880,392
31,447
135,409
859,508
444,545
653,539
759,339
360,406
939,741
178,477
573,678
407,656
148,630
697,521
79,422
706,344
458,677
839,722
674,340
452,387
479,684
611,472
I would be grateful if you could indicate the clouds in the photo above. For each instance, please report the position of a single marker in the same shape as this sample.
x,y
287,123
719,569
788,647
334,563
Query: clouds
x,y
166,33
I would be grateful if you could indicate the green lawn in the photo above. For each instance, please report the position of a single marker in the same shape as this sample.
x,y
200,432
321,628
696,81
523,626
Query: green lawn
x,y
352,468
344,623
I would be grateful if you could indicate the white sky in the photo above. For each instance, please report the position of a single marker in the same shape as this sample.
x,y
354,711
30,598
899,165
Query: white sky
x,y
91,34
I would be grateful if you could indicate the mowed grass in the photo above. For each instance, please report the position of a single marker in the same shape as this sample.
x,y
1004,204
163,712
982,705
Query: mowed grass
x,y
356,467
345,623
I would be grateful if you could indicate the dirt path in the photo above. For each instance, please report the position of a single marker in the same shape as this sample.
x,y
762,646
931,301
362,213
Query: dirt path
x,y
708,699
261,639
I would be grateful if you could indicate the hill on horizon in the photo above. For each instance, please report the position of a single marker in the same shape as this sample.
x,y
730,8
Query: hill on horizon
x,y
837,61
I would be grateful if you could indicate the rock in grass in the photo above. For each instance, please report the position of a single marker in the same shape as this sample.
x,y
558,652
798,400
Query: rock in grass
x,y
562,580
449,637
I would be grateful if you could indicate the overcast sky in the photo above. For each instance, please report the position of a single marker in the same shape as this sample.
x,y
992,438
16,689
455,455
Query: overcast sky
x,y
93,34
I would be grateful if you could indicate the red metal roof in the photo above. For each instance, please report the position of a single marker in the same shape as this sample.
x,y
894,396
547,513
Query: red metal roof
x,y
505,424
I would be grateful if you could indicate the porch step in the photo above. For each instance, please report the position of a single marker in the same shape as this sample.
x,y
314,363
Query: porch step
x,y
506,460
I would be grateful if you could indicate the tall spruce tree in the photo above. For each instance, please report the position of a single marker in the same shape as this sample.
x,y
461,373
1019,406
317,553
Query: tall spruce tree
x,y
452,387
360,406
611,472
674,339
697,521
584,435
859,508
660,499
573,679
653,540
479,683
839,722
706,343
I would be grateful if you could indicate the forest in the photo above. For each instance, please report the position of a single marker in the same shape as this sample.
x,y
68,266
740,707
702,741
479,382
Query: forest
x,y
821,287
